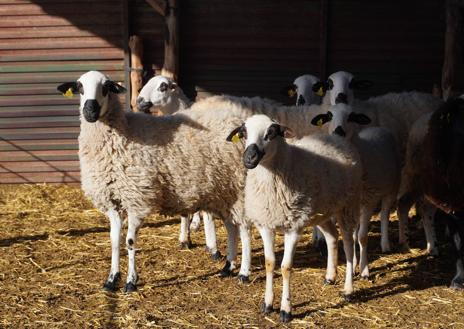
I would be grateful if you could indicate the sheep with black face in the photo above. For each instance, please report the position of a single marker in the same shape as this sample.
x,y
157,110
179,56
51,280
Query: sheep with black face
x,y
381,170
291,186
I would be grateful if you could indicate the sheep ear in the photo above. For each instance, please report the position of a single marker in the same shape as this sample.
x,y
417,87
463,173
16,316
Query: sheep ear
x,y
289,91
359,118
287,132
360,84
321,119
64,87
234,134
114,87
319,88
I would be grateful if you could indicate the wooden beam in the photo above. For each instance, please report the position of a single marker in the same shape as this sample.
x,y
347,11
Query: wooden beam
x,y
323,35
136,74
125,35
453,49
159,5
171,42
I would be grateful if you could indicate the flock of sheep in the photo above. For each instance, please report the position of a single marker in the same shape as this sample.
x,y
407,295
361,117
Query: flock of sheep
x,y
328,162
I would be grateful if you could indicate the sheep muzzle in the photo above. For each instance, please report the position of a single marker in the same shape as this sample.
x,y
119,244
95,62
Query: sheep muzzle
x,y
252,156
91,110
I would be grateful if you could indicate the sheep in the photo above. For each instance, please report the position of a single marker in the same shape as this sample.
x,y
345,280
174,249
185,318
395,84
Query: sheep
x,y
138,164
163,94
381,172
308,89
340,88
167,97
435,156
290,186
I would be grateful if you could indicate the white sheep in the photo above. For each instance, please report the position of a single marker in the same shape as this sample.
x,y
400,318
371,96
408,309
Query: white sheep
x,y
340,88
381,171
291,186
136,163
164,95
307,88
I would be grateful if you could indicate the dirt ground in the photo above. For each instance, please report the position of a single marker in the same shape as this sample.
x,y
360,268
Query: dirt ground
x,y
55,256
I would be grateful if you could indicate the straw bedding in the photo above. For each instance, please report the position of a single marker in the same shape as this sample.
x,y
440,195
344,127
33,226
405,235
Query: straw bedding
x,y
55,255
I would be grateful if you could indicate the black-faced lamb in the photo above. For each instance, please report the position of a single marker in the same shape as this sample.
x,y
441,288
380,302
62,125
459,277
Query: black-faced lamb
x,y
381,171
291,186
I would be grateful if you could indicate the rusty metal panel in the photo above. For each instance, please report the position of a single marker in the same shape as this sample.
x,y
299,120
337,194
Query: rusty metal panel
x,y
44,43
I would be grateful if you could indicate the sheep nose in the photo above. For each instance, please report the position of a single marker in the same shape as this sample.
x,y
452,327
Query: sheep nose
x,y
143,105
341,98
91,110
252,156
339,131
301,100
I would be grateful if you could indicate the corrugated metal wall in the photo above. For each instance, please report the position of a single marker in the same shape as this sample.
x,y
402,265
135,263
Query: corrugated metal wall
x,y
44,43
247,47
256,47
236,47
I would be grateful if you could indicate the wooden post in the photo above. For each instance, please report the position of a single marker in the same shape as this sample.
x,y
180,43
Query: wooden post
x,y
136,74
168,9
323,35
453,51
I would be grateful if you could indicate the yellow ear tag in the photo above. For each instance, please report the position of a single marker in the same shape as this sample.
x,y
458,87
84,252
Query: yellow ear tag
x,y
68,93
320,92
320,122
235,138
291,93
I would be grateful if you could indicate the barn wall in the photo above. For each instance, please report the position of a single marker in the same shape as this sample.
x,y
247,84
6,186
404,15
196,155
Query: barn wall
x,y
39,49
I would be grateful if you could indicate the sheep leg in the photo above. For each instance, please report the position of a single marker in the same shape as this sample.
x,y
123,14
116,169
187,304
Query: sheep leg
x,y
184,235
267,235
195,223
355,255
330,232
458,280
387,204
243,275
348,248
318,241
133,226
210,236
366,214
232,241
428,212
404,204
290,241
115,236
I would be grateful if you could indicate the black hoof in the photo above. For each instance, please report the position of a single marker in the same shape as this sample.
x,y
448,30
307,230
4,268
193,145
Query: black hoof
x,y
285,317
111,285
457,285
226,271
216,256
266,309
348,298
185,245
328,282
243,278
130,287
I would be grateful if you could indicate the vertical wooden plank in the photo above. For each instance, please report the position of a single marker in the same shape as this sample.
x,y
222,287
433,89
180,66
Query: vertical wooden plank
x,y
323,36
171,42
125,37
136,49
453,49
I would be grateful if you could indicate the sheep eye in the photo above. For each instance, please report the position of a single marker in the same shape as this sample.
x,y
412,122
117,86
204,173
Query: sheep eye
x,y
272,132
163,87
330,84
243,132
